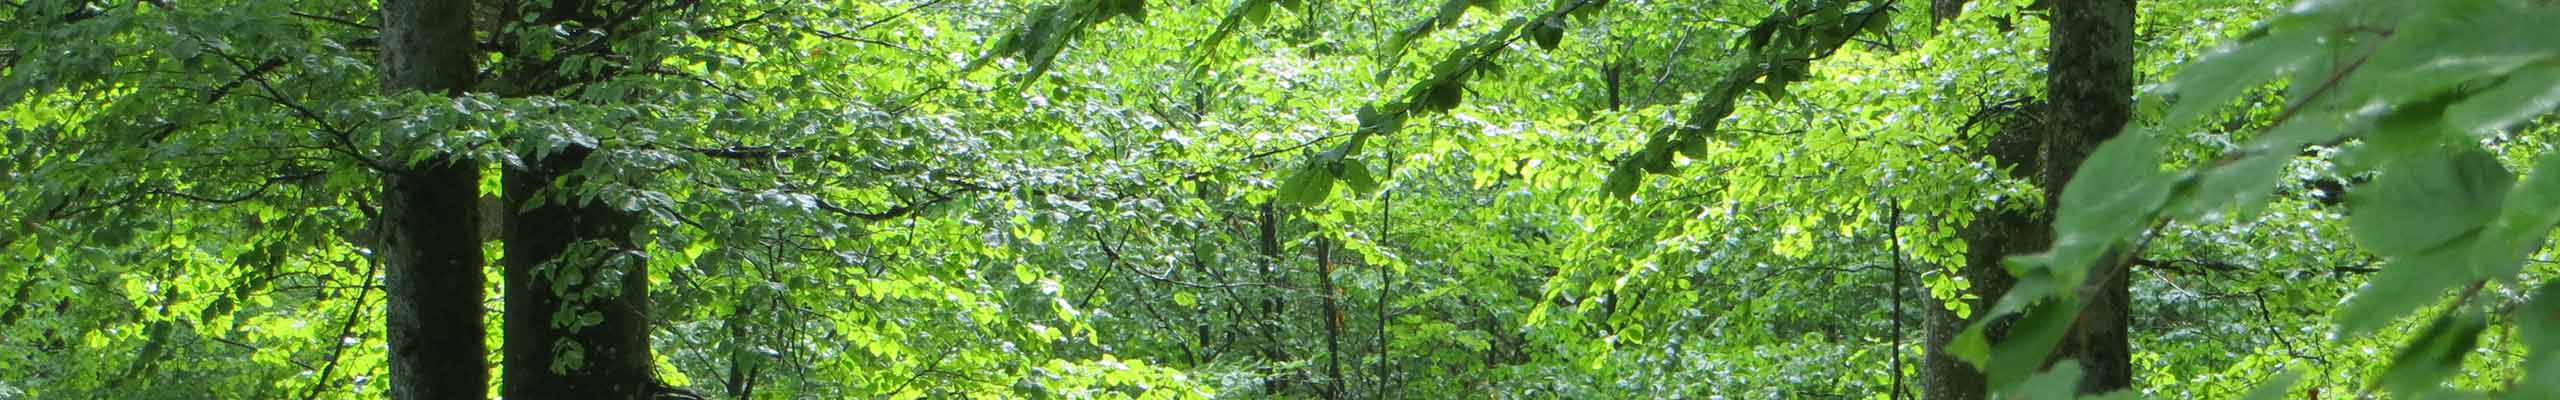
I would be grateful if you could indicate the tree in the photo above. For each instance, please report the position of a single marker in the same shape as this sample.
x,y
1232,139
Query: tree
x,y
2090,94
1109,199
430,223
577,278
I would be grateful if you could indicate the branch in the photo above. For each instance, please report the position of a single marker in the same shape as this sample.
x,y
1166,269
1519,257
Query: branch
x,y
901,210
894,17
2173,264
763,152
335,20
344,329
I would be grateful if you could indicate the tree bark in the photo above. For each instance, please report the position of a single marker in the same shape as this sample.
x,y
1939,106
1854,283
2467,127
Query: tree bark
x,y
577,283
2091,92
429,228
1942,11
1942,376
577,289
1274,309
1994,234
1332,320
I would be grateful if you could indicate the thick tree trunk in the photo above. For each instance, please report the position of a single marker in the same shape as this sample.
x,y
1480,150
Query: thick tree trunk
x,y
1994,234
429,228
577,284
577,290
1990,238
2091,91
1942,376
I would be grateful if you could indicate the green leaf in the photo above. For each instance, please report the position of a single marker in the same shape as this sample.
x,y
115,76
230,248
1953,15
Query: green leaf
x,y
2274,389
1883,23
2408,130
2403,285
1444,96
1973,344
2059,383
2531,210
2243,182
2217,78
2425,201
2246,182
1355,174
1373,122
1308,186
1624,178
1451,11
2436,352
2538,324
2112,197
2527,94
2450,43
2031,340
1695,147
1548,33
1257,11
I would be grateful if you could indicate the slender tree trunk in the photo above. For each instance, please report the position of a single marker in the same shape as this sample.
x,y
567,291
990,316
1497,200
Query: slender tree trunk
x,y
577,290
744,367
2091,91
1332,319
1386,287
1901,289
1274,309
430,222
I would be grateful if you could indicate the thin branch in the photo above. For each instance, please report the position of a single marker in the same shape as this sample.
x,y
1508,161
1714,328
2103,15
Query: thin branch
x,y
335,20
894,17
344,329
900,210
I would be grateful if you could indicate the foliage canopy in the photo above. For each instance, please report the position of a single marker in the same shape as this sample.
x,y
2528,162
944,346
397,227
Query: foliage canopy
x,y
1299,199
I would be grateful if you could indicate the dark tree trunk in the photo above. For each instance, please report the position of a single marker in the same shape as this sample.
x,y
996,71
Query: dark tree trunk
x,y
1945,10
2091,92
577,290
1273,308
577,284
1995,233
429,227
1942,376
1332,320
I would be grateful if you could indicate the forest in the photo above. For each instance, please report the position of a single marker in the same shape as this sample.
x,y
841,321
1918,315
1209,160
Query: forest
x,y
1286,199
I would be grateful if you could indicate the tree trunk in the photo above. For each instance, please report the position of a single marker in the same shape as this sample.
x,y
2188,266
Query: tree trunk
x,y
429,227
1942,376
577,290
577,283
1332,320
1995,233
2091,91
1274,310
1941,11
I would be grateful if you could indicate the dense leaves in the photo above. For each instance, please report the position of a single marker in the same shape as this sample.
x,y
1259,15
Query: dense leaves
x,y
1302,199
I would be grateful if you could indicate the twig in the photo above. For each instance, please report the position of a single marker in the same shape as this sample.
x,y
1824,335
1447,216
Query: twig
x,y
344,329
